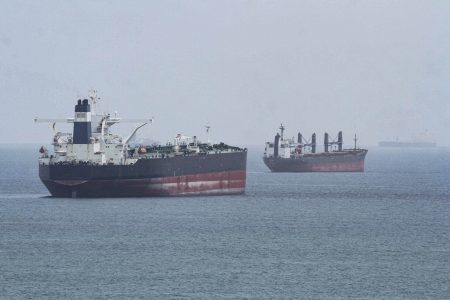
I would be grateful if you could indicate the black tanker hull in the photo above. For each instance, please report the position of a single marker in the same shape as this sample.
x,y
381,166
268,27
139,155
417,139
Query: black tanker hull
x,y
345,161
218,174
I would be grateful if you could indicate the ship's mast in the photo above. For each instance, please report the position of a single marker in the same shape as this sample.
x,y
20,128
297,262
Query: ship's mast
x,y
94,99
282,131
355,139
207,133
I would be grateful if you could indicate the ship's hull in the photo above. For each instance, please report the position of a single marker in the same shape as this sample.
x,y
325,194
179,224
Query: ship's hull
x,y
345,161
212,174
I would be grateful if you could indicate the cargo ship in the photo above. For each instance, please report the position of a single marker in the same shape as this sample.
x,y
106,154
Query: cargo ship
x,y
288,155
93,162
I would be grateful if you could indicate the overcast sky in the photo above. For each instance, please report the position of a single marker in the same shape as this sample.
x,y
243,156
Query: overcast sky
x,y
377,68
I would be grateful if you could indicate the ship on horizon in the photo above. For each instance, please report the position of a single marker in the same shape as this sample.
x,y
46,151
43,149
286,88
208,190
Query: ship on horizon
x,y
408,144
288,155
94,162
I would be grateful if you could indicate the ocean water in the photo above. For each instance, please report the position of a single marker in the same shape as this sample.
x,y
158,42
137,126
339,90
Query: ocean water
x,y
382,234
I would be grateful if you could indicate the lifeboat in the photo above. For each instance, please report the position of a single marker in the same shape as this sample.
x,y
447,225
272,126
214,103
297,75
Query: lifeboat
x,y
142,150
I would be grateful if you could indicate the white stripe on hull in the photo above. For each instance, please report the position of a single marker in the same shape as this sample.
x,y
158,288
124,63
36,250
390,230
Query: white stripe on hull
x,y
192,184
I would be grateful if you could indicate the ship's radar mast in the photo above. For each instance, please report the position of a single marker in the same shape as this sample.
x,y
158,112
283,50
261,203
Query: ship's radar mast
x,y
94,99
208,127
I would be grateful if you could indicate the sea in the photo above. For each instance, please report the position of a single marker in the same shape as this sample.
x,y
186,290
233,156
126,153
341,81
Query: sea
x,y
382,234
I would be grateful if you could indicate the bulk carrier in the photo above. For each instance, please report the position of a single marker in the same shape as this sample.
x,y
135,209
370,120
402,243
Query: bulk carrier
x,y
288,155
93,162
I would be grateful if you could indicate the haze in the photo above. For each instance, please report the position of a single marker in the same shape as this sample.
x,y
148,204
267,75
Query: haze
x,y
376,68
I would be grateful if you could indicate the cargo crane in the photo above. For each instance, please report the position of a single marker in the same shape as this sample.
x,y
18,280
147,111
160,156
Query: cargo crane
x,y
327,143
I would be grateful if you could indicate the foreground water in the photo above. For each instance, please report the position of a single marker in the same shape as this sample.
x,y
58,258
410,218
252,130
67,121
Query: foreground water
x,y
381,234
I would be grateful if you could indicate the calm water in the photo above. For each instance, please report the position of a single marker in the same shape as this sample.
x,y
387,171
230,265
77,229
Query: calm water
x,y
381,234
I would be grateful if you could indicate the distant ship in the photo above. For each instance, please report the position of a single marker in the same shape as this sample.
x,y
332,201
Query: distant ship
x,y
409,144
93,162
288,155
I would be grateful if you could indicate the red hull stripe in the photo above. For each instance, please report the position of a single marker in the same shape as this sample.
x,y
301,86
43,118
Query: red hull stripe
x,y
232,182
321,167
339,167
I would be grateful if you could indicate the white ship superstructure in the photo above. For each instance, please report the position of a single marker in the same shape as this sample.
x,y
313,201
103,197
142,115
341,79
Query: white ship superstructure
x,y
91,140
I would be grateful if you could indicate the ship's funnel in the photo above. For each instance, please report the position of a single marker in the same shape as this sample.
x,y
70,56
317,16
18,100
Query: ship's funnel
x,y
82,122
275,145
325,142
299,138
340,141
313,143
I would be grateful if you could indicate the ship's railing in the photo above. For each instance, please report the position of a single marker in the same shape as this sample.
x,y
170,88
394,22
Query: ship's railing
x,y
165,152
160,151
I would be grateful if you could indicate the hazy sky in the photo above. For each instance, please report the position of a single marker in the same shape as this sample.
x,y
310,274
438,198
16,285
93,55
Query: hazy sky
x,y
377,68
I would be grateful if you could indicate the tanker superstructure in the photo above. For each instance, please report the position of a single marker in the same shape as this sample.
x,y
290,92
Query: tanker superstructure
x,y
93,162
288,155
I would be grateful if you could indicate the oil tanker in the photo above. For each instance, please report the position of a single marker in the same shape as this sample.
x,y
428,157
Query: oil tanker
x,y
93,162
288,155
